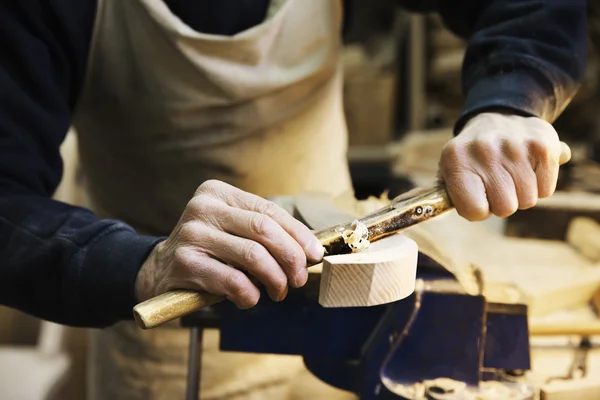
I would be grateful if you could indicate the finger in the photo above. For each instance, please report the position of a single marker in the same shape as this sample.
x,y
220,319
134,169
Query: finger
x,y
546,167
280,244
516,163
201,272
464,186
565,153
525,183
467,192
241,199
501,192
250,225
250,256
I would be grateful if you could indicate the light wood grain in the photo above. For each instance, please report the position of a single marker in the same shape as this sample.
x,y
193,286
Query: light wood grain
x,y
382,274
171,305
584,328
551,274
584,234
438,238
551,217
574,389
382,223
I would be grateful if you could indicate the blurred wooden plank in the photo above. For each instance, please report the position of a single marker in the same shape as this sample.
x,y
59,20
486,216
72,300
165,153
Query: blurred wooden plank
x,y
584,234
551,217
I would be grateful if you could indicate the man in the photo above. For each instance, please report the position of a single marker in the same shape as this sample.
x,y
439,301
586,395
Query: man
x,y
190,113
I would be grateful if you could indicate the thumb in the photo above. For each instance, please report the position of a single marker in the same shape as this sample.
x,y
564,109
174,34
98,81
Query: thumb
x,y
565,153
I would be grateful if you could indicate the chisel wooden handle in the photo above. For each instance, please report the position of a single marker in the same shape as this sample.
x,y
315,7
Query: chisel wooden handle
x,y
172,305
401,213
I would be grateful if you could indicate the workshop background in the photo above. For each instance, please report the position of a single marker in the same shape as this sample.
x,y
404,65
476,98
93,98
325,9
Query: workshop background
x,y
402,93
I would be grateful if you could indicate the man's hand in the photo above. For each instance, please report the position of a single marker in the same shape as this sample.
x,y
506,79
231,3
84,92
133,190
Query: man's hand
x,y
500,163
222,232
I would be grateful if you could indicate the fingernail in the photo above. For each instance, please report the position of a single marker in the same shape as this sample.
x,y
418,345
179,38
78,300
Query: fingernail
x,y
315,250
301,278
283,294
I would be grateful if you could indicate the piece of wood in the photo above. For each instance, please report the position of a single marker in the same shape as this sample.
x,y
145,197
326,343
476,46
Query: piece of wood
x,y
551,217
171,305
584,234
549,276
584,328
399,214
574,389
439,238
552,275
384,273
369,122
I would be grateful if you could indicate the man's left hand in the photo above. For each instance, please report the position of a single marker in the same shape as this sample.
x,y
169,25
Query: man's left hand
x,y
501,163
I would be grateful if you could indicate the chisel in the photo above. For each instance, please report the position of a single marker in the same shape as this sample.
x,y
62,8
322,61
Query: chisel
x,y
401,213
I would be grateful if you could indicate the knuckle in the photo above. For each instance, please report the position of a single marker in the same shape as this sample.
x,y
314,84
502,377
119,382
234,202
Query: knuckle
x,y
183,256
236,284
254,253
209,186
539,148
261,225
484,148
268,208
543,153
188,232
451,148
452,156
512,149
295,259
200,204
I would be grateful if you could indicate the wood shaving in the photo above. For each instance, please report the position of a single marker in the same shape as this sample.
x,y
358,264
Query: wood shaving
x,y
357,238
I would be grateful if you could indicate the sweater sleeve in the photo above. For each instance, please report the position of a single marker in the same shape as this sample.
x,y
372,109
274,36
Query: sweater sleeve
x,y
57,262
526,56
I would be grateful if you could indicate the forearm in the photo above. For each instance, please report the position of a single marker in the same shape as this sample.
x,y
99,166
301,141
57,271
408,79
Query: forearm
x,y
523,56
531,61
62,264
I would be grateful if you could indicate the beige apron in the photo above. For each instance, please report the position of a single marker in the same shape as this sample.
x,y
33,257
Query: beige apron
x,y
165,108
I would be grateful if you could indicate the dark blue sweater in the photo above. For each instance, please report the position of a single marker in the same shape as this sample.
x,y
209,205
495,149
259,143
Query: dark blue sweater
x,y
63,264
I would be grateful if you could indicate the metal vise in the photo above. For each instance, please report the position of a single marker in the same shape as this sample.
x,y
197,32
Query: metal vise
x,y
440,343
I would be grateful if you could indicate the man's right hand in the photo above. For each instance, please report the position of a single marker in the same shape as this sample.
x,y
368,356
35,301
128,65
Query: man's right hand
x,y
222,232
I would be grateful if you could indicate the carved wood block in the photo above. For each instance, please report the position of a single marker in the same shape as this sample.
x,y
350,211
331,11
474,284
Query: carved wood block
x,y
382,274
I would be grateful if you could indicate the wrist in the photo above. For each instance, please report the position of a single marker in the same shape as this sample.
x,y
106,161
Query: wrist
x,y
496,117
107,273
146,279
